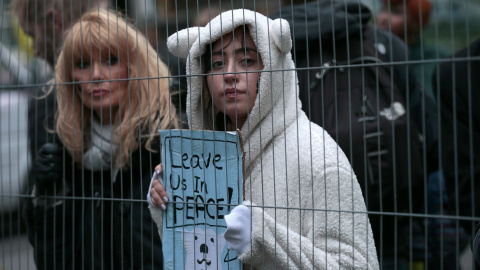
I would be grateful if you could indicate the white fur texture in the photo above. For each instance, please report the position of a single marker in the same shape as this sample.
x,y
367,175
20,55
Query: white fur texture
x,y
281,35
179,43
290,163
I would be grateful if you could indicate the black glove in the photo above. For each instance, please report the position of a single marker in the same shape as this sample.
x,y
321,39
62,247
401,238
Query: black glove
x,y
48,168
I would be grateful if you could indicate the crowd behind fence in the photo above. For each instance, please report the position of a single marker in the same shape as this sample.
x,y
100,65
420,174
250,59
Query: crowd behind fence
x,y
357,124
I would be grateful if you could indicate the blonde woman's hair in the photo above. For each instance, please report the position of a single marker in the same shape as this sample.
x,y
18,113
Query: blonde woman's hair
x,y
149,106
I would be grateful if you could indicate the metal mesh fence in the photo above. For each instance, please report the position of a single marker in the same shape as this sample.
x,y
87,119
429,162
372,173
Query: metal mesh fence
x,y
356,120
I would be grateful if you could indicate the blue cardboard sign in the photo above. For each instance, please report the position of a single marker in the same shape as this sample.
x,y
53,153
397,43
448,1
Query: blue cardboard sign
x,y
202,174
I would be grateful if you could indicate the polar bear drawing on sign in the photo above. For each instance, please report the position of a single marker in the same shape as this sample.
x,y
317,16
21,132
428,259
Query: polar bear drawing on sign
x,y
203,249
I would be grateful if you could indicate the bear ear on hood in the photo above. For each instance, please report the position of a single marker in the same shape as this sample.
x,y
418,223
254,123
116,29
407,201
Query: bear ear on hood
x,y
179,44
280,33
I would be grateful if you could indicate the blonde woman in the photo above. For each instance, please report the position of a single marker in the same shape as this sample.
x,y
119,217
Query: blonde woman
x,y
112,97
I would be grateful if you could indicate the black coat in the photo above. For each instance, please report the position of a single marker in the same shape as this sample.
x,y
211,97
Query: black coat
x,y
100,224
459,96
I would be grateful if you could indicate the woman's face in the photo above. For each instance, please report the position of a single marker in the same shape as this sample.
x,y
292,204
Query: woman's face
x,y
233,89
100,84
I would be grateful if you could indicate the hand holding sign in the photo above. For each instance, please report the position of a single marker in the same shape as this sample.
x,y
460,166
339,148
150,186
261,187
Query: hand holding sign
x,y
158,196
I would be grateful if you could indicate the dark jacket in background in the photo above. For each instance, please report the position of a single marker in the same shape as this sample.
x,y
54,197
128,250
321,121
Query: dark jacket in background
x,y
100,224
459,98
314,21
340,99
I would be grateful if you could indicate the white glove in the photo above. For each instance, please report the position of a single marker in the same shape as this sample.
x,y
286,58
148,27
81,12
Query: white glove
x,y
239,228
155,176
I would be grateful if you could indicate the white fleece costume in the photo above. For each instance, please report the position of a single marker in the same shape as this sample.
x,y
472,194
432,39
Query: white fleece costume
x,y
290,163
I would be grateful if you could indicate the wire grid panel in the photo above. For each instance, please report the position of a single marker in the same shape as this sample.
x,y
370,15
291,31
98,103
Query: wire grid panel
x,y
333,100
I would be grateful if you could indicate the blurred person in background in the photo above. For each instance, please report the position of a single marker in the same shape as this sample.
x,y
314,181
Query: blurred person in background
x,y
365,110
374,113
23,116
407,19
460,133
86,211
46,22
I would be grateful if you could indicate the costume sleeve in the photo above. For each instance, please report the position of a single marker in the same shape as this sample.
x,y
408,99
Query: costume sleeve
x,y
332,237
157,217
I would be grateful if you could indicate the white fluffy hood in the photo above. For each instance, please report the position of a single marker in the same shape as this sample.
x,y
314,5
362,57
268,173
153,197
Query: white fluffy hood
x,y
278,90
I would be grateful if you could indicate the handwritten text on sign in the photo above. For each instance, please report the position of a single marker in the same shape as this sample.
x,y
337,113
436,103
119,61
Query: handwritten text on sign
x,y
202,177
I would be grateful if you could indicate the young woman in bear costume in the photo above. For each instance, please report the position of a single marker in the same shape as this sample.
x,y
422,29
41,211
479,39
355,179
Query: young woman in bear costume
x,y
303,206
